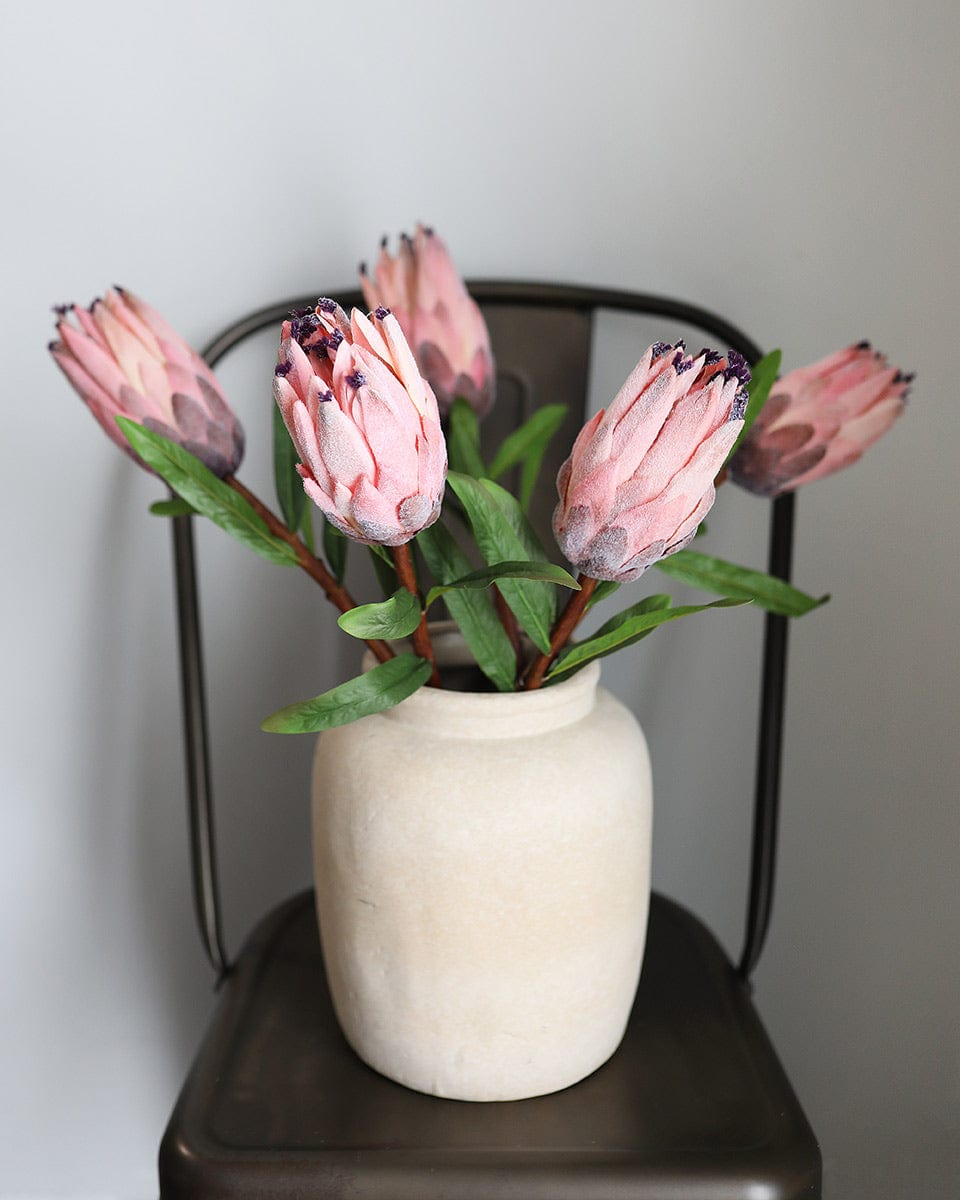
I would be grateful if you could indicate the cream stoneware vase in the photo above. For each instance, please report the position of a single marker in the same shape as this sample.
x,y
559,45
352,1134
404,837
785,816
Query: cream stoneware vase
x,y
482,866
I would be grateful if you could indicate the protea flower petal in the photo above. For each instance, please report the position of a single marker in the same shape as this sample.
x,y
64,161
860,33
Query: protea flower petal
x,y
124,360
819,419
639,479
365,424
440,321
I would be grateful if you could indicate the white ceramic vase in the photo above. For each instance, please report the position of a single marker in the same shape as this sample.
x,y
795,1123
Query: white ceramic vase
x,y
482,866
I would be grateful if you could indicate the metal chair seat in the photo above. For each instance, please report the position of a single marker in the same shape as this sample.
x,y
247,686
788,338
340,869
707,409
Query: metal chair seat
x,y
693,1104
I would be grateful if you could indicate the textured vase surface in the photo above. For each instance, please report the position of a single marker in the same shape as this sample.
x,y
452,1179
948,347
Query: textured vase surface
x,y
482,866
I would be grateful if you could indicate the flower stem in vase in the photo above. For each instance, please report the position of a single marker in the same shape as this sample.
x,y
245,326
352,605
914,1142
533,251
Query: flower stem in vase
x,y
421,635
562,631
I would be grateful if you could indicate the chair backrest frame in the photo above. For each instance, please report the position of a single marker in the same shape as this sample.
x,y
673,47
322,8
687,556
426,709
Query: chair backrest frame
x,y
587,300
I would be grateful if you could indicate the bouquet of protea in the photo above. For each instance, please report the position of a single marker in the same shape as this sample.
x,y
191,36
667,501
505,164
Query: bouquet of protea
x,y
370,403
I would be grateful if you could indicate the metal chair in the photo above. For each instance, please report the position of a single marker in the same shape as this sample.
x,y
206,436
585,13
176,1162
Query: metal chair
x,y
693,1104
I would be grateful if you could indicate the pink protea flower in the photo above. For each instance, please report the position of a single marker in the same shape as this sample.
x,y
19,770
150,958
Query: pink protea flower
x,y
365,423
639,479
421,287
126,361
818,419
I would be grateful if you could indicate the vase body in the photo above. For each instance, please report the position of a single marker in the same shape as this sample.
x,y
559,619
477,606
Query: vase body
x,y
482,866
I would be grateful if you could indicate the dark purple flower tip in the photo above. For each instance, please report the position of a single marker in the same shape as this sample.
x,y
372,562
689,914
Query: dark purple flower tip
x,y
405,237
118,288
62,310
362,268
325,304
303,329
680,345
54,345
862,345
297,314
325,397
428,230
739,406
283,369
356,380
381,312
659,349
736,367
384,242
319,349
905,377
681,364
709,356
334,339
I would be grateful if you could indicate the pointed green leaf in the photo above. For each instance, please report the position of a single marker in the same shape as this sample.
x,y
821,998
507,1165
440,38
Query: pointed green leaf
x,y
649,604
763,375
397,617
287,482
503,534
372,692
627,628
306,528
335,547
473,611
209,495
463,439
605,588
384,569
727,579
175,507
483,578
527,446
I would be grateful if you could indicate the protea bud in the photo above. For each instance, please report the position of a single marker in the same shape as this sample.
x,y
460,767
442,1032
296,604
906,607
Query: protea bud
x,y
639,479
818,419
125,361
364,422
421,287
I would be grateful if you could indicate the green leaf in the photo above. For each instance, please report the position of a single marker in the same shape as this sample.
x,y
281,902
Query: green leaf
x,y
287,482
209,495
503,534
626,628
727,579
473,611
306,528
763,375
463,439
605,588
483,578
175,507
397,617
372,692
527,445
655,603
335,547
384,569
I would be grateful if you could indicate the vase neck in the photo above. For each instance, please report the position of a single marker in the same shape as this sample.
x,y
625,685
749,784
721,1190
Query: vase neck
x,y
499,715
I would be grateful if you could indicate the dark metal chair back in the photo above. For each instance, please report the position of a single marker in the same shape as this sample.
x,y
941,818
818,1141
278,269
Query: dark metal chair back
x,y
542,336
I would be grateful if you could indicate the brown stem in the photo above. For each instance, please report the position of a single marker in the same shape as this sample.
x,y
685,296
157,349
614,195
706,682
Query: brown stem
x,y
507,620
336,593
566,624
421,635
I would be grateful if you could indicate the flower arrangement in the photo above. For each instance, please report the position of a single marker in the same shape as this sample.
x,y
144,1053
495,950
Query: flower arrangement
x,y
378,426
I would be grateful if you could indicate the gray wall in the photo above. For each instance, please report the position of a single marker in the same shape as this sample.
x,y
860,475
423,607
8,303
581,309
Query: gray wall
x,y
792,165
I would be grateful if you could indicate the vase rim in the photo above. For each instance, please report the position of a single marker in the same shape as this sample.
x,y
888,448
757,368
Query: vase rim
x,y
491,714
